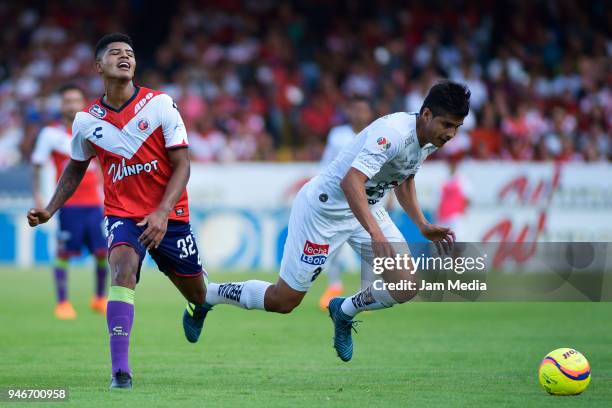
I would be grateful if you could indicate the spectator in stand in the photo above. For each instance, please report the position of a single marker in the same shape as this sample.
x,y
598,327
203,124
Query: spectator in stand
x,y
294,69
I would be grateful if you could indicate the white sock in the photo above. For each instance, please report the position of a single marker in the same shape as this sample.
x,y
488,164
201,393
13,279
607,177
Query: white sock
x,y
367,299
248,295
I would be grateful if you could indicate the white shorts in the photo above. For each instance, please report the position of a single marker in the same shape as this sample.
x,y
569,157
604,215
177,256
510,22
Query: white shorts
x,y
314,237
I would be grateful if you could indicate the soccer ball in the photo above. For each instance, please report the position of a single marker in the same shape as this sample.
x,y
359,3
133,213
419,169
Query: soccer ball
x,y
564,371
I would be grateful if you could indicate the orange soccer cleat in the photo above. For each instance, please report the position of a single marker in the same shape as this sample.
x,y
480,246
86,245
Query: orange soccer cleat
x,y
331,292
98,304
65,311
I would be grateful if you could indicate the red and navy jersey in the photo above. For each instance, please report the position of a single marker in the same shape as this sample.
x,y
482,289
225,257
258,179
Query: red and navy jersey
x,y
53,143
132,145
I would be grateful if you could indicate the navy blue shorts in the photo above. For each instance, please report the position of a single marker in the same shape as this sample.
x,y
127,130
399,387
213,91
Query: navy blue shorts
x,y
81,227
177,252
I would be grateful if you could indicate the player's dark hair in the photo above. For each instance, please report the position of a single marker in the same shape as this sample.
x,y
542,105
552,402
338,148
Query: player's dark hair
x,y
448,98
111,38
70,87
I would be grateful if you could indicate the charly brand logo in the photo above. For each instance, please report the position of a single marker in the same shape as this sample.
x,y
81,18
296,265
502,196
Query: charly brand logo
x,y
98,132
121,170
97,111
141,103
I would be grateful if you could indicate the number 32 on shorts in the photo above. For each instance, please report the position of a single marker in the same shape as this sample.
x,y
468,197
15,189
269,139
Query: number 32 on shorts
x,y
187,247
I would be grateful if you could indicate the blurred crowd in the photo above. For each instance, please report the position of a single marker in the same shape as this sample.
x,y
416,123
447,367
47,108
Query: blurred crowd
x,y
266,80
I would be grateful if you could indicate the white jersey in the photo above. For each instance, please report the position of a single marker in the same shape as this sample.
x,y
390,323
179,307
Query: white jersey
x,y
339,137
387,151
50,139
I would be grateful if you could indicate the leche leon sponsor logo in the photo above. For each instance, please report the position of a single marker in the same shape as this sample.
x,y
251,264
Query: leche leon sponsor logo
x,y
314,254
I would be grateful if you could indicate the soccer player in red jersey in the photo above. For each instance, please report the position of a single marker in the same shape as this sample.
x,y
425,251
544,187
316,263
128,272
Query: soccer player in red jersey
x,y
140,141
80,219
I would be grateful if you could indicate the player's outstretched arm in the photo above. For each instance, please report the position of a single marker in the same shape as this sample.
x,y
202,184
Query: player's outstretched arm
x,y
157,222
67,185
407,197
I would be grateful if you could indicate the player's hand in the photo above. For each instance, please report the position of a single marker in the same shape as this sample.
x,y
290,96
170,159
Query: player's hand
x,y
157,224
38,216
442,237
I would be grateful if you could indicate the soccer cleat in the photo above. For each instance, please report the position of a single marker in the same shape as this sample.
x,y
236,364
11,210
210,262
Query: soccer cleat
x,y
65,311
193,321
121,380
331,292
98,304
343,324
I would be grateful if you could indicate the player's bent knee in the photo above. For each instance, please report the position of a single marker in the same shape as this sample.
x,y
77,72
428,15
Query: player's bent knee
x,y
282,306
281,299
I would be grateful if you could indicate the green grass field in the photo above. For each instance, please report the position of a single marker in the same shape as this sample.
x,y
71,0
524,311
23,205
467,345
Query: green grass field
x,y
419,354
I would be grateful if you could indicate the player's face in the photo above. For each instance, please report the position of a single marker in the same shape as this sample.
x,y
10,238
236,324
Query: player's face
x,y
73,101
117,62
442,128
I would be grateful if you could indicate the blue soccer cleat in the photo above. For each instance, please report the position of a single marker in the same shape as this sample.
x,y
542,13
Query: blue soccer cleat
x,y
343,324
193,321
121,380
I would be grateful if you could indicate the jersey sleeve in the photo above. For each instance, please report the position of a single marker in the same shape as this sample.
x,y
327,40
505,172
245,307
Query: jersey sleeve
x,y
381,146
45,144
175,134
81,149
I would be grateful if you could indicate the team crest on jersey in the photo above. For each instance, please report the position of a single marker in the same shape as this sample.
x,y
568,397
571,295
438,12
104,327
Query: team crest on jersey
x,y
143,124
97,111
315,254
383,143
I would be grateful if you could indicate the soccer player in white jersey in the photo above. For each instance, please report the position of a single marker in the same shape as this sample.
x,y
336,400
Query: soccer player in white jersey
x,y
342,204
359,114
140,141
